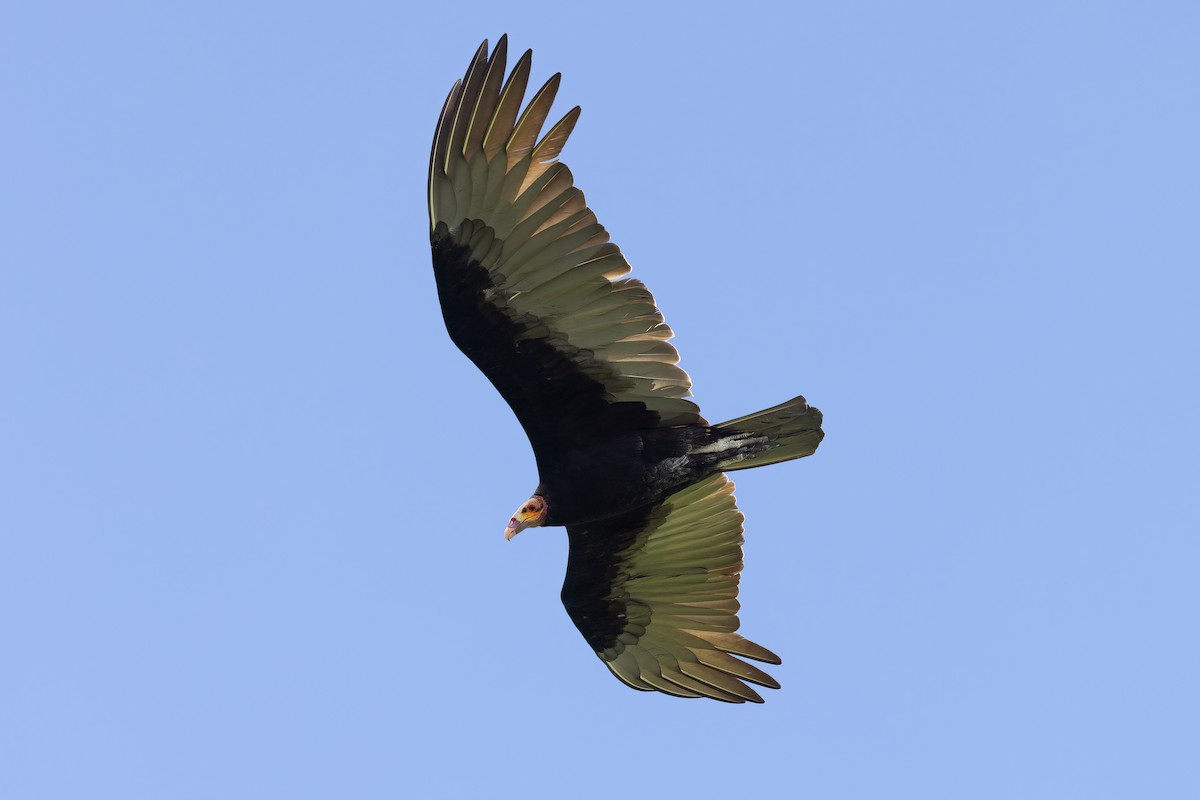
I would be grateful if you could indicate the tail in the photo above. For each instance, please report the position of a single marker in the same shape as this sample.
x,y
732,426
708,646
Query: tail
x,y
786,431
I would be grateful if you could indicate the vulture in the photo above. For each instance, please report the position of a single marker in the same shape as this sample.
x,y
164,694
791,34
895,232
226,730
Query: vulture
x,y
533,292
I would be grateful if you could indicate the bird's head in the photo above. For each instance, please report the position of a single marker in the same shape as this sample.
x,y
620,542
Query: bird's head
x,y
532,513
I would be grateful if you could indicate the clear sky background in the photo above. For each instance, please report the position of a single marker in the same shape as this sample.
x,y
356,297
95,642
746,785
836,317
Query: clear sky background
x,y
251,497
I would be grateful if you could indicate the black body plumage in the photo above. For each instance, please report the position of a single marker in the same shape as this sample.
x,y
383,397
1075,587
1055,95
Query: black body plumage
x,y
596,458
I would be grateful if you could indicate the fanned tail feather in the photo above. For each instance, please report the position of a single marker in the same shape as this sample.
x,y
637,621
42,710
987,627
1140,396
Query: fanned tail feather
x,y
791,430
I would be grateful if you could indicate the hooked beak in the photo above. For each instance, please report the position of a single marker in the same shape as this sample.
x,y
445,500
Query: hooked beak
x,y
531,514
514,527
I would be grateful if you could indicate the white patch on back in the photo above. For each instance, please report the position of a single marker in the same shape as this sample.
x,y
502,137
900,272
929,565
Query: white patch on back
x,y
734,442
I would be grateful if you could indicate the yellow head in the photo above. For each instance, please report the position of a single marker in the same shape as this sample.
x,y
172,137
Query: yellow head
x,y
532,513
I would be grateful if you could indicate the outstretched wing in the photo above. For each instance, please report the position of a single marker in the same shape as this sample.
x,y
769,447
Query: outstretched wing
x,y
654,592
530,286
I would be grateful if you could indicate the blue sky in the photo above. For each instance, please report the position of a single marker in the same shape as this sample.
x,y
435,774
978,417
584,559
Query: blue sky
x,y
251,497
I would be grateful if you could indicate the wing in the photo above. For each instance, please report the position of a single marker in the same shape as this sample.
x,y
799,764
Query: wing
x,y
529,284
654,592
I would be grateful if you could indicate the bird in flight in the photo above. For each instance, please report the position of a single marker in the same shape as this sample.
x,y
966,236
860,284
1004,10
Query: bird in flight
x,y
532,291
